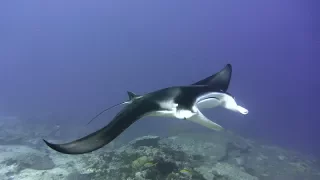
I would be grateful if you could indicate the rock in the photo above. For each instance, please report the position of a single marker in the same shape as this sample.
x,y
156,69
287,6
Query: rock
x,y
206,172
144,157
195,147
150,141
31,161
78,176
17,158
281,157
231,172
240,161
192,156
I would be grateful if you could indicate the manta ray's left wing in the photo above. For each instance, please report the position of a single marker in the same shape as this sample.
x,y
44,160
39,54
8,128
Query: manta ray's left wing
x,y
201,119
131,97
130,114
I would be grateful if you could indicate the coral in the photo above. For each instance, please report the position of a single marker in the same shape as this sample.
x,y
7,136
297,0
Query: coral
x,y
183,157
140,162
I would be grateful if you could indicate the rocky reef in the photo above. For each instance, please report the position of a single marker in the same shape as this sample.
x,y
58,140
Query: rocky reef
x,y
190,156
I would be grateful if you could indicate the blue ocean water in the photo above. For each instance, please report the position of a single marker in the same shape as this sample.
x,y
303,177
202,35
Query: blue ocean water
x,y
61,62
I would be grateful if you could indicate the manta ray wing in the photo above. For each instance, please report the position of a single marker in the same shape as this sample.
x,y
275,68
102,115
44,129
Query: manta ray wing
x,y
131,96
201,119
105,135
220,80
115,105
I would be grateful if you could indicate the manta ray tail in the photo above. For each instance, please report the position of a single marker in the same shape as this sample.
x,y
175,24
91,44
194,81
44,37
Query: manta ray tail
x,y
131,97
220,79
105,111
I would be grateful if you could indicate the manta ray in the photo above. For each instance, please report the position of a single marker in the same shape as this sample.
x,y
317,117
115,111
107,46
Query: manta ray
x,y
181,102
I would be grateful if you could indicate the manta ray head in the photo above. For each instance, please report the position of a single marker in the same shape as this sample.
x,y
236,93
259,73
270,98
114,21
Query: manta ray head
x,y
224,99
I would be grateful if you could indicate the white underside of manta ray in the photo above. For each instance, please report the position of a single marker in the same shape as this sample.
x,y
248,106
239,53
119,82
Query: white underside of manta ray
x,y
181,102
210,100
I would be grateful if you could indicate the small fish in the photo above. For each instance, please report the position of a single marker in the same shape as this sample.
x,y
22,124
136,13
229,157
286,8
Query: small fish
x,y
149,164
186,172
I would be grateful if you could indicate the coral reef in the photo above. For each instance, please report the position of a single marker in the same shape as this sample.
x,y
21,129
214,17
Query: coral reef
x,y
189,156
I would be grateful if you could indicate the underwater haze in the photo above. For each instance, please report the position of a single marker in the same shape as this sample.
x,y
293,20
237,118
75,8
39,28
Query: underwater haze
x,y
62,62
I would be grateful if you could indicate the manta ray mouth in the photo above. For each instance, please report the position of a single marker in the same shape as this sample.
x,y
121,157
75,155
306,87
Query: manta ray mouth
x,y
224,99
209,102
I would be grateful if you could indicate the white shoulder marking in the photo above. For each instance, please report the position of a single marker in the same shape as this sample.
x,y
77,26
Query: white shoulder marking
x,y
168,104
183,114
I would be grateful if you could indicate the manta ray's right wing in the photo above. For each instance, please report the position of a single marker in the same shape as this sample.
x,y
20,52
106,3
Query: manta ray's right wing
x,y
220,80
129,114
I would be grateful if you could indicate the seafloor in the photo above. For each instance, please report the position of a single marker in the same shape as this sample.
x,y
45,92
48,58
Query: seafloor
x,y
217,156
